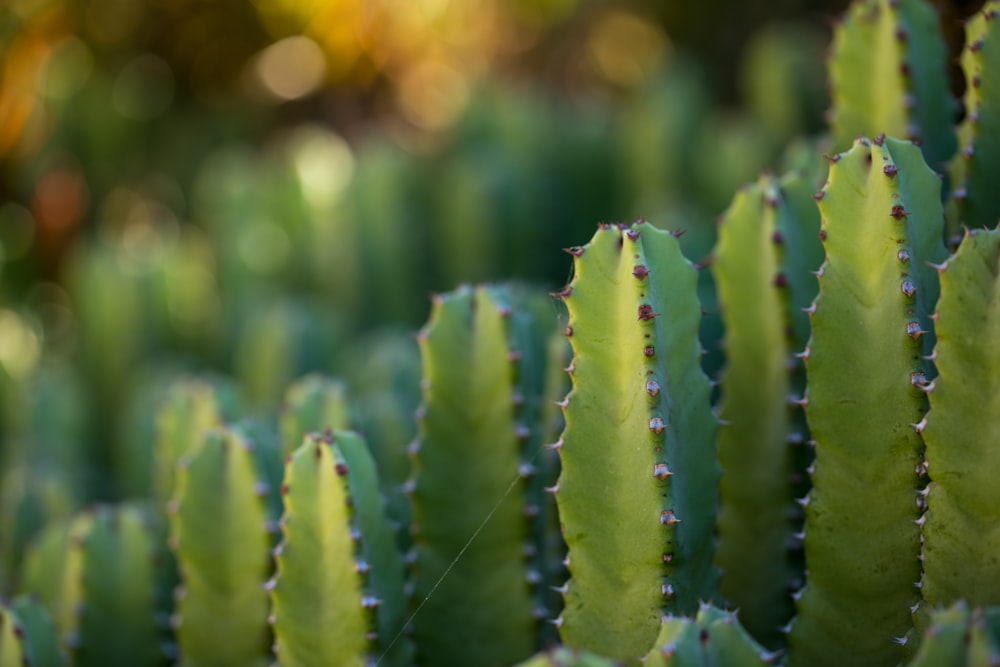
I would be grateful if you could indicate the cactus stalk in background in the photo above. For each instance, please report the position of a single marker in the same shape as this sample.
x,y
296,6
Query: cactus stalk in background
x,y
219,535
313,403
768,243
889,75
974,169
34,635
962,432
960,637
468,495
637,492
882,224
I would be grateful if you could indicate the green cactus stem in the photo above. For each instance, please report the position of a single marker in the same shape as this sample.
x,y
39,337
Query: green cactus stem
x,y
567,657
889,75
40,645
222,547
470,578
768,242
882,224
637,491
192,407
322,613
114,614
713,638
313,403
960,637
962,432
974,169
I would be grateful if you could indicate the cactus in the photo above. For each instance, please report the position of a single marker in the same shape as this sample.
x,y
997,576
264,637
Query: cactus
x,y
961,431
958,636
97,577
636,495
192,407
330,605
768,243
882,224
470,581
713,638
312,403
565,657
218,532
889,75
979,134
39,644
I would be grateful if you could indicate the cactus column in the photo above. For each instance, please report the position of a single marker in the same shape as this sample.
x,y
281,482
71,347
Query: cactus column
x,y
882,224
637,492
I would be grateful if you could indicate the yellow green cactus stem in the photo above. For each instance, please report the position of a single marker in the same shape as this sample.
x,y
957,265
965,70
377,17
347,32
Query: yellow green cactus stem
x,y
768,243
962,528
561,656
470,579
637,491
882,224
337,597
974,169
219,536
888,74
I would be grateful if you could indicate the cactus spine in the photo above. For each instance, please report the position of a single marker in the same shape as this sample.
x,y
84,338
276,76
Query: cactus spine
x,y
882,224
636,494
962,432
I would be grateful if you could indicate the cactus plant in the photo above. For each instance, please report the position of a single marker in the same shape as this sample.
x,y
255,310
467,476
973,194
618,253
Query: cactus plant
x,y
636,494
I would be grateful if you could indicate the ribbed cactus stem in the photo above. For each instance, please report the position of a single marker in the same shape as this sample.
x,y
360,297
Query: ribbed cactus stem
x,y
882,224
637,492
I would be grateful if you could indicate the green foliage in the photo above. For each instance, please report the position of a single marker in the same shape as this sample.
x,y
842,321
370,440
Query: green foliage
x,y
712,638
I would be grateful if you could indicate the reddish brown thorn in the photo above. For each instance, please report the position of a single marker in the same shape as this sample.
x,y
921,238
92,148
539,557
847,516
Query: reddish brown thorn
x,y
898,212
563,293
646,312
640,271
890,170
576,251
649,351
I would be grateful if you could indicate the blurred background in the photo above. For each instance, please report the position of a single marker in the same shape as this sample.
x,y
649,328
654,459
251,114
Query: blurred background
x,y
255,187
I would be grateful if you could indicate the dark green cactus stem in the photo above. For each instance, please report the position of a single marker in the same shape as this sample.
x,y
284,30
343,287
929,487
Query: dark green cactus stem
x,y
470,580
974,169
313,403
762,288
637,492
222,547
40,646
115,622
52,574
320,613
889,75
962,432
30,497
714,638
882,224
960,637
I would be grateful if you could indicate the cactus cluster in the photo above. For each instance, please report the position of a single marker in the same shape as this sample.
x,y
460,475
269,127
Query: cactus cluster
x,y
607,477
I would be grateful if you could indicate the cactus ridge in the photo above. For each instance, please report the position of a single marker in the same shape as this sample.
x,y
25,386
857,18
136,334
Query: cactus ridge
x,y
636,494
882,225
961,430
